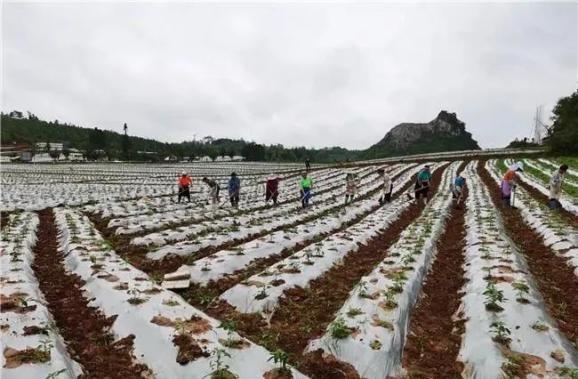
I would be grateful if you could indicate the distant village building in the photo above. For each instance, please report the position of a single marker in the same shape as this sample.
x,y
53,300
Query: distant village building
x,y
16,114
74,155
223,158
237,158
16,152
171,158
205,158
53,146
42,158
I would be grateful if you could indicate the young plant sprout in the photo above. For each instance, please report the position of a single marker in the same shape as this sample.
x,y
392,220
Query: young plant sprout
x,y
501,332
522,290
218,365
279,357
338,329
494,296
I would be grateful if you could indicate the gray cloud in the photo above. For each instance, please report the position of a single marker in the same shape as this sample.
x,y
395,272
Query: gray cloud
x,y
297,74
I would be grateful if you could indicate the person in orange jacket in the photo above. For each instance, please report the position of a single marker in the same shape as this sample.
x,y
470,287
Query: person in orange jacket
x,y
185,184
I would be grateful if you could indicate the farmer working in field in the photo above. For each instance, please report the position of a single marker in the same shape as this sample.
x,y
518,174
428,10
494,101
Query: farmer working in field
x,y
422,185
556,187
214,190
350,187
508,184
272,189
305,184
234,189
185,183
457,188
307,164
387,187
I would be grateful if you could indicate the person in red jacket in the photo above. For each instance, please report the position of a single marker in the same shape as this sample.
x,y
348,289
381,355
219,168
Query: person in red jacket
x,y
185,183
272,189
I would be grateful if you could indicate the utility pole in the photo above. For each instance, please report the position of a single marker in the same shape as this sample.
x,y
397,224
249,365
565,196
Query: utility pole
x,y
539,127
125,143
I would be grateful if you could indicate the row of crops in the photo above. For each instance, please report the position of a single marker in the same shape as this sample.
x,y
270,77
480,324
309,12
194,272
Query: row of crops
x,y
114,278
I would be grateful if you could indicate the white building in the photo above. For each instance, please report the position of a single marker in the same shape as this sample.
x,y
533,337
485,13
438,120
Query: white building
x,y
223,158
54,146
42,158
238,158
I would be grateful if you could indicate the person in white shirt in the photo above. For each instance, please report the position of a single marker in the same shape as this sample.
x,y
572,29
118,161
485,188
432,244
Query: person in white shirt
x,y
556,187
386,189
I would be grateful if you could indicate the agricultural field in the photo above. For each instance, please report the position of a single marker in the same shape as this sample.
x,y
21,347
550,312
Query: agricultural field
x,y
105,275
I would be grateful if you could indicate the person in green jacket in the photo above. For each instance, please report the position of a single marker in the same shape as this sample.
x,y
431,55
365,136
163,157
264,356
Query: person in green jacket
x,y
305,184
422,185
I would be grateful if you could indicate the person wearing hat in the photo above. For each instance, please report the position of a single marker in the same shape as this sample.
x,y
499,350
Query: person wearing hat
x,y
556,187
272,189
234,189
350,187
185,183
387,187
214,190
457,188
422,185
508,184
306,183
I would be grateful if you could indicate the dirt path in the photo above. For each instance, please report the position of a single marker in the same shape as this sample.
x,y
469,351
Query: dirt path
x,y
305,313
555,278
4,216
84,328
433,338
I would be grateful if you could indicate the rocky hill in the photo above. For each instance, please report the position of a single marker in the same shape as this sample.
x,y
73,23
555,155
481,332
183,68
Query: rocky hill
x,y
444,133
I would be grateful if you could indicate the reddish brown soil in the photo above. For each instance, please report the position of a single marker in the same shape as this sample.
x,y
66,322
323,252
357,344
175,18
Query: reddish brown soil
x,y
4,219
136,255
189,349
305,313
84,328
433,339
201,296
555,278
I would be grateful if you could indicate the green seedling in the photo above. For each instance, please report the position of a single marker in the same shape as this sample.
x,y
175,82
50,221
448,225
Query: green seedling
x,y
494,296
218,365
279,357
522,290
338,329
352,312
501,332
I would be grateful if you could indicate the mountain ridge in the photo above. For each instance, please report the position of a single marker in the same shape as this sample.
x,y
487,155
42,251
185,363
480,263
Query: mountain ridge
x,y
444,133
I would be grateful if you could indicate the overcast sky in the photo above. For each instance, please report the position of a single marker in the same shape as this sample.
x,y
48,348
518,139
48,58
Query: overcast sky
x,y
294,73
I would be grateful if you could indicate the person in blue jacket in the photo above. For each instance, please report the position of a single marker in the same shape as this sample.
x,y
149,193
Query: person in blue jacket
x,y
234,189
457,188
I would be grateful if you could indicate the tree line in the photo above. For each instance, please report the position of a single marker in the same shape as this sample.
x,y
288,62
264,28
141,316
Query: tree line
x,y
98,143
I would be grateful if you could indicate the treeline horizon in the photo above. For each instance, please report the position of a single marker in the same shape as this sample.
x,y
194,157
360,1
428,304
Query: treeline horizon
x,y
99,143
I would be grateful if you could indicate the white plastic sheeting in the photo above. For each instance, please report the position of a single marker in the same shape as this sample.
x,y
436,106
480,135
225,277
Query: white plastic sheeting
x,y
152,345
491,256
226,262
188,247
255,217
314,260
16,257
376,345
556,233
568,202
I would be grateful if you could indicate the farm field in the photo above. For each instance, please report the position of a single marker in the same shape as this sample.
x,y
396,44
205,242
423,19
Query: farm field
x,y
105,275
